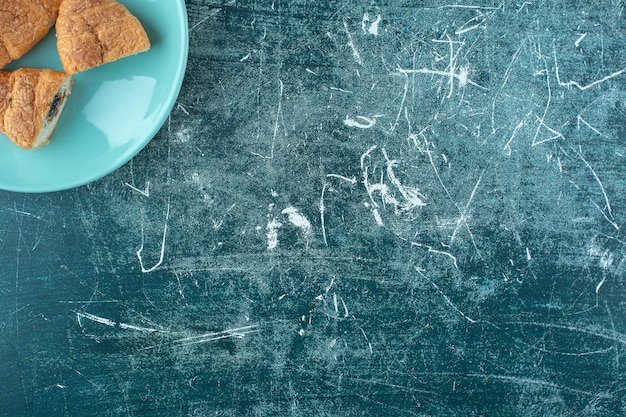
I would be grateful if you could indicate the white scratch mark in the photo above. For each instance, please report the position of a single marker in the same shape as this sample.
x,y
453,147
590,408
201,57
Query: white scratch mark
x,y
610,220
463,215
363,123
355,51
461,76
162,254
600,284
322,208
279,114
182,108
580,39
381,188
524,5
445,297
111,323
469,231
468,6
343,90
237,333
467,29
345,308
207,17
545,113
404,95
332,282
480,17
94,318
592,331
367,340
615,346
554,132
505,80
137,328
413,198
507,148
145,192
365,155
606,197
538,383
570,84
180,285
341,177
25,213
448,254
580,119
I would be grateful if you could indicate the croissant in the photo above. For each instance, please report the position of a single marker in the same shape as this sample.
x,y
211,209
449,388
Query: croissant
x,y
23,23
31,103
94,32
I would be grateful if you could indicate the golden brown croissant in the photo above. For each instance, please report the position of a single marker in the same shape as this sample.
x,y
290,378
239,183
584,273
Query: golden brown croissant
x,y
31,103
93,32
23,23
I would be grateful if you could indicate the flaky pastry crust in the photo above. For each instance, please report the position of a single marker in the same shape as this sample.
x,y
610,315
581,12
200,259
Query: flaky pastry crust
x,y
94,32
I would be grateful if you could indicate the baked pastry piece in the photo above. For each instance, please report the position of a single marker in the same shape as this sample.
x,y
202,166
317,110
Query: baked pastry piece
x,y
31,103
23,23
93,32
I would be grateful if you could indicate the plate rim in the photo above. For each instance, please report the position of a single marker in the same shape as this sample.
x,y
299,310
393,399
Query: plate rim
x,y
124,158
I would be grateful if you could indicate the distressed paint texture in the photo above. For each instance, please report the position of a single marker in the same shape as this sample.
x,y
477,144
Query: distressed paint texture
x,y
355,208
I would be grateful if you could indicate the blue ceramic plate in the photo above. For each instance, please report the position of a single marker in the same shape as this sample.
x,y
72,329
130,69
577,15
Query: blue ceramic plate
x,y
113,111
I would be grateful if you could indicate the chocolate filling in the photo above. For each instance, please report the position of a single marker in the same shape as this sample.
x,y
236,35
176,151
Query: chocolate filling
x,y
55,105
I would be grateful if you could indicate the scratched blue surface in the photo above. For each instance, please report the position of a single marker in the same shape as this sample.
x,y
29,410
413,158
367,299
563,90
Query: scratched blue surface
x,y
355,208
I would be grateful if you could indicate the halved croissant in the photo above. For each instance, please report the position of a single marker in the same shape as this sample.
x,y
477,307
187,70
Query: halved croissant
x,y
94,32
31,103
23,23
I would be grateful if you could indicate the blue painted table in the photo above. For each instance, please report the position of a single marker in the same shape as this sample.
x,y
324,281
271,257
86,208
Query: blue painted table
x,y
354,209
